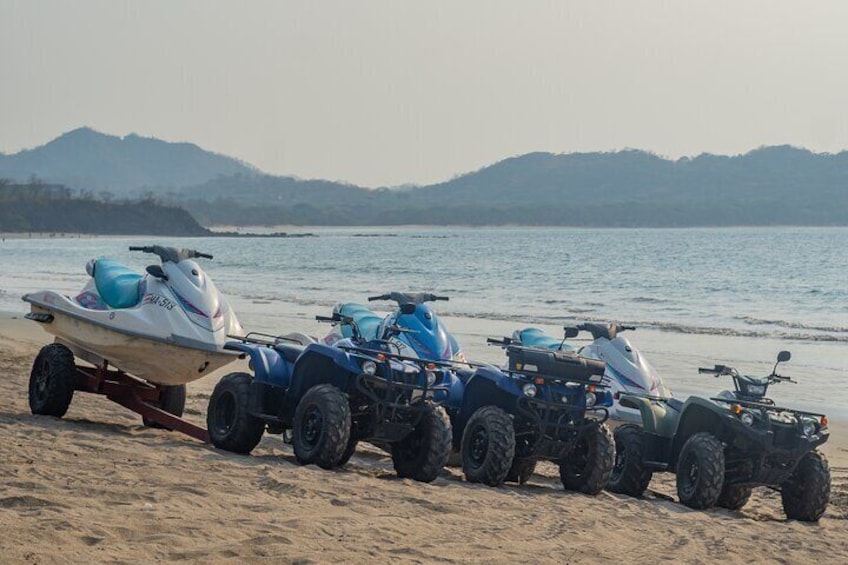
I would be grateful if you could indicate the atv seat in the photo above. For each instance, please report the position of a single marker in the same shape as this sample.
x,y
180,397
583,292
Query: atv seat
x,y
534,337
119,286
289,352
367,321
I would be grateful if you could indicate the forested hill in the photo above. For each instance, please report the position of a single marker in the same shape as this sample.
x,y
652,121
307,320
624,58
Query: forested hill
x,y
769,186
123,166
54,209
780,185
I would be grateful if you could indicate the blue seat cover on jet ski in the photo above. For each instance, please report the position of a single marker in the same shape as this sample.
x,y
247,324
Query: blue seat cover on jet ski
x,y
534,337
118,285
367,321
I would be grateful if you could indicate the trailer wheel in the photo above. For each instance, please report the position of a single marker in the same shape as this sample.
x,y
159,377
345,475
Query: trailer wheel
x,y
488,446
587,468
807,492
521,470
424,452
172,400
629,475
321,426
231,425
700,471
52,381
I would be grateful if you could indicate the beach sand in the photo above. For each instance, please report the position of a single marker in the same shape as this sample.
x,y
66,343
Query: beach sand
x,y
98,486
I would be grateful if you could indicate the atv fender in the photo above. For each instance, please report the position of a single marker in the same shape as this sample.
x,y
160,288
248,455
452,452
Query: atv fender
x,y
657,418
698,415
489,386
268,366
323,364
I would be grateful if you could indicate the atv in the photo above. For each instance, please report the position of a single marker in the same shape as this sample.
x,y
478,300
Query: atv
x,y
536,408
722,447
331,397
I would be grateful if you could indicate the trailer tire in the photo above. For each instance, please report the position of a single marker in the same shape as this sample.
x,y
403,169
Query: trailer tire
x,y
172,400
52,381
424,452
231,425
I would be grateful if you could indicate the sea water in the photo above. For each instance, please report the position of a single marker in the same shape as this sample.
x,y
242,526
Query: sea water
x,y
698,296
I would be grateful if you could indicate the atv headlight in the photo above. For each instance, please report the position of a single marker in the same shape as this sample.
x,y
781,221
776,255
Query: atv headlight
x,y
809,427
369,368
529,390
431,378
747,418
590,399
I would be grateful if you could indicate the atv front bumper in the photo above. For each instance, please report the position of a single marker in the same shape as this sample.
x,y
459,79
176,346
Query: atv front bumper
x,y
550,430
766,454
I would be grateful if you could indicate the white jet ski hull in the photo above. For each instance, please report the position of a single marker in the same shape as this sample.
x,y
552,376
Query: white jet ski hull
x,y
95,337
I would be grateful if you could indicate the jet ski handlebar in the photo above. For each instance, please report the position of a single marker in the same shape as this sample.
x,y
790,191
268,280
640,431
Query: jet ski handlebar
x,y
408,297
171,253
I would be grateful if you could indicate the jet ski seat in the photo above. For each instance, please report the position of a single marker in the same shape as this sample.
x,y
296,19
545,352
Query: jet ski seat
x,y
118,286
367,321
534,337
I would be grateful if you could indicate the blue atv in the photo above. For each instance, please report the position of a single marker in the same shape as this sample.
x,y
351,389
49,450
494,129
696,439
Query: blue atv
x,y
504,420
539,407
331,398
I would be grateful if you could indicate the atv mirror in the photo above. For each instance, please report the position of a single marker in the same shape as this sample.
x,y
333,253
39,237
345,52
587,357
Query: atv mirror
x,y
407,308
783,356
571,331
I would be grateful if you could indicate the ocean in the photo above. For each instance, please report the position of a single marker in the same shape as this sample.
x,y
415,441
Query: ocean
x,y
697,296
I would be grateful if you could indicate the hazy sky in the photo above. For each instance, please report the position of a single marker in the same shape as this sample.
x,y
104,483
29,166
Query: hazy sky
x,y
396,92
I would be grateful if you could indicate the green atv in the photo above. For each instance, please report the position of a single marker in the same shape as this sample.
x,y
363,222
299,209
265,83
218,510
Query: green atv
x,y
722,447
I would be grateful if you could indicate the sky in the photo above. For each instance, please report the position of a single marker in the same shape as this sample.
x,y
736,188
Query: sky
x,y
381,93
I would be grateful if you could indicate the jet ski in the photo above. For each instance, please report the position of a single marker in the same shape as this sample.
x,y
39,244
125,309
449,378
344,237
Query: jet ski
x,y
167,327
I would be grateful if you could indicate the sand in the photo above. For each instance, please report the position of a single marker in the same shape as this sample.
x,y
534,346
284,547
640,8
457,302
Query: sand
x,y
98,486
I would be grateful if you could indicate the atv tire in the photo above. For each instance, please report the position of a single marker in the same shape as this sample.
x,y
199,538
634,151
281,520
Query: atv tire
x,y
321,426
350,448
629,475
521,470
231,426
587,468
424,452
700,471
172,400
52,381
734,497
488,446
807,492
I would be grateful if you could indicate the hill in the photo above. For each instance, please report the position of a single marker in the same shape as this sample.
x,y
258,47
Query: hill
x,y
780,185
53,208
86,159
769,186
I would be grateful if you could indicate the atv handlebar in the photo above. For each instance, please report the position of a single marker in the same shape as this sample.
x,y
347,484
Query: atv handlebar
x,y
503,342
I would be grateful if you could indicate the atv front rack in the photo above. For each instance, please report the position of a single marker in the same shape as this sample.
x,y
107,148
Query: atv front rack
x,y
767,407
